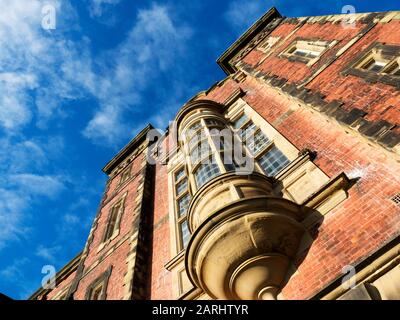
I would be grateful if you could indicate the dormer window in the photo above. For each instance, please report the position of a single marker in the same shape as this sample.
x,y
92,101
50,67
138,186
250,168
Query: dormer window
x,y
379,63
374,65
305,51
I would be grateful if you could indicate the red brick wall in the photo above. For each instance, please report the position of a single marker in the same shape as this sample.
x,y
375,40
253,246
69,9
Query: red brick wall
x,y
297,71
117,259
161,287
353,90
383,102
367,219
115,287
61,286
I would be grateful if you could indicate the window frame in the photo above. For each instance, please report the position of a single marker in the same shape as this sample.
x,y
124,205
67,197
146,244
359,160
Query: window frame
x,y
263,150
269,150
107,236
125,175
211,162
179,220
102,280
376,51
306,45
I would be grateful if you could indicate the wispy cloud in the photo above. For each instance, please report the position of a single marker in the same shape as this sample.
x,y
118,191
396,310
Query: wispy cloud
x,y
39,69
15,274
21,183
13,271
153,46
17,193
96,7
47,253
34,184
241,14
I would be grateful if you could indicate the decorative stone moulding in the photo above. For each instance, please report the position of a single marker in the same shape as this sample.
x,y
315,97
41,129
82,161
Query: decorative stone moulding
x,y
226,189
244,237
195,110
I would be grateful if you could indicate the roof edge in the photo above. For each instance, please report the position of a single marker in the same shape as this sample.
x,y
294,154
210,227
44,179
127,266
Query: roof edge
x,y
125,151
70,267
245,38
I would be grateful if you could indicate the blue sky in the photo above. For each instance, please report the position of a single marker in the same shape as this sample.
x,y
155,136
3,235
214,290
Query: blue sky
x,y
70,98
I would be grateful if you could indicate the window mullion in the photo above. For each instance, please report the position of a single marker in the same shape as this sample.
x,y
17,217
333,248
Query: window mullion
x,y
214,151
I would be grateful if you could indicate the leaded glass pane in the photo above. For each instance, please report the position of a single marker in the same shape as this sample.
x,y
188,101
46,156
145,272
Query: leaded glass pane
x,y
247,131
185,233
200,152
273,161
183,205
240,121
205,172
179,174
257,142
181,187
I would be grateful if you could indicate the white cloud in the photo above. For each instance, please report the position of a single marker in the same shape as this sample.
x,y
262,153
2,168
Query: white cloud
x,y
41,70
17,193
14,100
20,187
34,184
241,14
47,253
12,213
96,7
154,45
36,60
71,219
13,271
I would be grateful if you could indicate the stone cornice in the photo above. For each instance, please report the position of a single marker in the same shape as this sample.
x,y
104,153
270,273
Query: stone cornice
x,y
127,150
224,60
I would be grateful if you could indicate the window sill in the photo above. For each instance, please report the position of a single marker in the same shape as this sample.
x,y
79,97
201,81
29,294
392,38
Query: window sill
x,y
174,261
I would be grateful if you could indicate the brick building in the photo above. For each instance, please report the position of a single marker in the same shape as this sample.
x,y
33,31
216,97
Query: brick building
x,y
315,104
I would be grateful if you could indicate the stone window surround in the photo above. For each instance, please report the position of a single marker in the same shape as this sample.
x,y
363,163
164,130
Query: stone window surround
x,y
306,44
211,143
289,151
103,280
116,232
125,175
179,220
259,128
380,51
